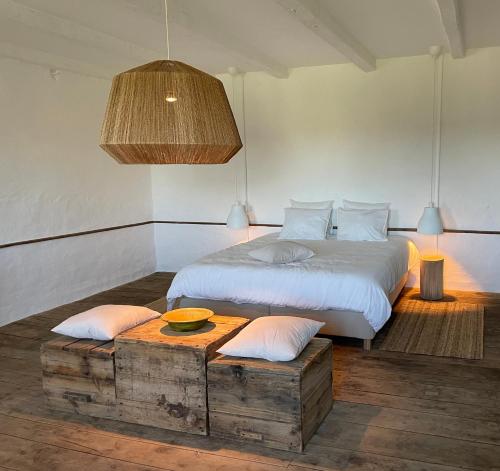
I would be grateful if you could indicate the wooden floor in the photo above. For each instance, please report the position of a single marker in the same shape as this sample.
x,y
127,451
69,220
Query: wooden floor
x,y
392,411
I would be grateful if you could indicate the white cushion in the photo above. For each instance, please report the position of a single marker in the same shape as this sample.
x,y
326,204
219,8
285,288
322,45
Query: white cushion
x,y
359,224
315,205
312,204
306,224
104,322
282,252
273,338
358,205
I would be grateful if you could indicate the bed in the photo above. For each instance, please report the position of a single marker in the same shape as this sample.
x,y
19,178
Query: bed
x,y
349,285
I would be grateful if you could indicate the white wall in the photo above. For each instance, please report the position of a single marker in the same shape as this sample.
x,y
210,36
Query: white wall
x,y
54,179
336,132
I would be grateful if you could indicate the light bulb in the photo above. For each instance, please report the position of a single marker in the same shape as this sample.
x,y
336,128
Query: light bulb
x,y
170,98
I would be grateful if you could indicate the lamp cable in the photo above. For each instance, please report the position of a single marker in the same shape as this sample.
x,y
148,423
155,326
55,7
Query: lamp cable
x,y
166,30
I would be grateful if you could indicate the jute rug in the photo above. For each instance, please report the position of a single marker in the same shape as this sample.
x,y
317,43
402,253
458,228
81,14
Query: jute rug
x,y
445,329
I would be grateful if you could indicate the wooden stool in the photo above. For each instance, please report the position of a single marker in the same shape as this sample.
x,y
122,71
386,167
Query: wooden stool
x,y
275,404
431,277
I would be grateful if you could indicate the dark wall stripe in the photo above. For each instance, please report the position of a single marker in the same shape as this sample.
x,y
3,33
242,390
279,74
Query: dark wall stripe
x,y
73,234
207,223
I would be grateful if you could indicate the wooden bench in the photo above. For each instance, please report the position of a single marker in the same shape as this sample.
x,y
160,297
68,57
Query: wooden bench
x,y
276,404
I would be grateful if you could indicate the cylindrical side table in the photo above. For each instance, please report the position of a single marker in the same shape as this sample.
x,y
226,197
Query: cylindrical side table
x,y
431,277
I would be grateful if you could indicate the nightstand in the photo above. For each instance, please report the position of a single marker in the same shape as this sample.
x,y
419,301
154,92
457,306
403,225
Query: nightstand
x,y
431,277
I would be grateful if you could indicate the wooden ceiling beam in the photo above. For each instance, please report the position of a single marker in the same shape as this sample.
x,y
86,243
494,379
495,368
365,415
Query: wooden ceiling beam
x,y
449,14
70,30
316,18
53,61
205,24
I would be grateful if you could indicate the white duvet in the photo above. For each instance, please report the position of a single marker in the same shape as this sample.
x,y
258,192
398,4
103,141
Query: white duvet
x,y
347,275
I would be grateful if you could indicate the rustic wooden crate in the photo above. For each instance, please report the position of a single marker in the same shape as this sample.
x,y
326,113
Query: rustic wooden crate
x,y
277,404
161,374
78,376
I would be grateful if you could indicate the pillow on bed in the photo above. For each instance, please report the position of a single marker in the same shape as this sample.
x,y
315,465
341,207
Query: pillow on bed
x,y
358,205
312,204
273,338
104,322
359,224
307,224
315,205
282,252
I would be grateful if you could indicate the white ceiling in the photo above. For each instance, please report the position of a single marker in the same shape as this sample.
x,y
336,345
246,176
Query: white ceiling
x,y
103,37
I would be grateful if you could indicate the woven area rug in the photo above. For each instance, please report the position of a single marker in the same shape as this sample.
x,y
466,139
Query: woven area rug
x,y
445,329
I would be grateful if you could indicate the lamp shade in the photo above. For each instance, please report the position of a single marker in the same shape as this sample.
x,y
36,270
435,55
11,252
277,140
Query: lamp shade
x,y
167,112
237,218
430,222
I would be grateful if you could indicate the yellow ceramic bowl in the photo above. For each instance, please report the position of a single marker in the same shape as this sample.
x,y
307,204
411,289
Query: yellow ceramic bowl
x,y
187,318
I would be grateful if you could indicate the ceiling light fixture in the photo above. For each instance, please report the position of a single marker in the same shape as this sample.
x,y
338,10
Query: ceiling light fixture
x,y
167,112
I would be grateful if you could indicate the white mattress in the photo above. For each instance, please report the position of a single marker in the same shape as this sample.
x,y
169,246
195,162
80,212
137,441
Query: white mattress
x,y
354,276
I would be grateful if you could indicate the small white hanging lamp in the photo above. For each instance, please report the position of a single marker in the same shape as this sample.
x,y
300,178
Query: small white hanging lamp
x,y
430,222
237,218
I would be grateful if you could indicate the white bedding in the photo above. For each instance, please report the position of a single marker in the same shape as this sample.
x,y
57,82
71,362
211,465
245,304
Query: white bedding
x,y
347,275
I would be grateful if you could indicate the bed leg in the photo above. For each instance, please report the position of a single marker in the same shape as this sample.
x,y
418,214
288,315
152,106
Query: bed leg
x,y
367,344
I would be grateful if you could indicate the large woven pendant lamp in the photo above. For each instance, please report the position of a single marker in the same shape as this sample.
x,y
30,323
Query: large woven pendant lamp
x,y
167,112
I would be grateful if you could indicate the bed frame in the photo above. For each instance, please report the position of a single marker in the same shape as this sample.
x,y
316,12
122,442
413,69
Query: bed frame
x,y
338,322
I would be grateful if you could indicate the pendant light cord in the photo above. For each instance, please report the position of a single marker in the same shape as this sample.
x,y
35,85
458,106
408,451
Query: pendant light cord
x,y
166,30
436,128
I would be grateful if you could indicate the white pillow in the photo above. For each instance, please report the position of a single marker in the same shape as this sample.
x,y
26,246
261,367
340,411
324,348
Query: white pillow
x,y
315,205
273,338
282,252
307,224
359,224
104,322
357,205
312,204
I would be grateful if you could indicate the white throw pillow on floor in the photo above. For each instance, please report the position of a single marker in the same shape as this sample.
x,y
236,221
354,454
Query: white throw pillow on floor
x,y
282,252
273,338
104,322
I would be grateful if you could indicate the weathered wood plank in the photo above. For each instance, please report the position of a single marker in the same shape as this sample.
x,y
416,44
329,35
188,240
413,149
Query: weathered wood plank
x,y
80,389
415,389
84,346
265,432
480,431
165,362
165,414
429,406
69,364
408,445
337,459
139,452
27,455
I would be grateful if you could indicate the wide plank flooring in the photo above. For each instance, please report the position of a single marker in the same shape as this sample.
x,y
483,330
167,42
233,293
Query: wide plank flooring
x,y
392,411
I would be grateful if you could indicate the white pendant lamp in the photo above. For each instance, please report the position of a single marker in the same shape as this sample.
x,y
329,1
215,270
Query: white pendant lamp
x,y
237,218
430,222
